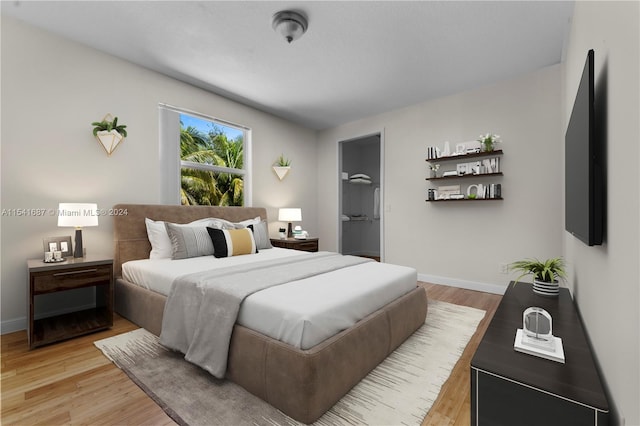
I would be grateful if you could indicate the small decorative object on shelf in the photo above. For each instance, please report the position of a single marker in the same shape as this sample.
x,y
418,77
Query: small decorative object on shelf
x,y
433,152
480,191
447,192
446,151
433,170
109,133
488,141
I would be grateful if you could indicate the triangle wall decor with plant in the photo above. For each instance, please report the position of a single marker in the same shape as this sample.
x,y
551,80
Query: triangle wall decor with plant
x,y
282,166
109,133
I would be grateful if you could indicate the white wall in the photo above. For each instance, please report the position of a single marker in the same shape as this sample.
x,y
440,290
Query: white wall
x,y
605,279
464,243
52,89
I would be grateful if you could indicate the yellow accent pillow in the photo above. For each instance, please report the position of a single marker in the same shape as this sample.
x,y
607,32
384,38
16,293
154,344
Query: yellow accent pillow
x,y
232,242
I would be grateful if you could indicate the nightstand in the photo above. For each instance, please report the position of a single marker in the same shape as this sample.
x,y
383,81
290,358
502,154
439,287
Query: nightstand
x,y
310,244
73,273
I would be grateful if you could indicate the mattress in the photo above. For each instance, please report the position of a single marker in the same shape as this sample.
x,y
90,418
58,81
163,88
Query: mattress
x,y
301,313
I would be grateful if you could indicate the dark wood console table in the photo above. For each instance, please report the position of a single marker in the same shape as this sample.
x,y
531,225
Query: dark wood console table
x,y
513,388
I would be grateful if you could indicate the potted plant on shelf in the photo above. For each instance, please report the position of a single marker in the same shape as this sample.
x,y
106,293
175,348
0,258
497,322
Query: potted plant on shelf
x,y
433,170
546,274
282,166
109,133
489,141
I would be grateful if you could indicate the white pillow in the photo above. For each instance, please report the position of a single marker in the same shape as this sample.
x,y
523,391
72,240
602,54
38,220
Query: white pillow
x,y
245,223
159,239
221,224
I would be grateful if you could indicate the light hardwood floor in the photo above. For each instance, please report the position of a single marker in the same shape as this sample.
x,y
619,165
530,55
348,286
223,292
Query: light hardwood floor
x,y
453,406
73,383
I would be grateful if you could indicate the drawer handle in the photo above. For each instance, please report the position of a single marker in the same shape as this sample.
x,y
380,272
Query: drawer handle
x,y
61,274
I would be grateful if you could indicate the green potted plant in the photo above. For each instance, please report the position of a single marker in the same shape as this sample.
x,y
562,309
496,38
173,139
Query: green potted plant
x,y
283,161
433,170
109,133
489,141
107,125
546,274
282,166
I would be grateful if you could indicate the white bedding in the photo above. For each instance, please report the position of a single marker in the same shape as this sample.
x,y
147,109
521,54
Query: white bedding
x,y
301,313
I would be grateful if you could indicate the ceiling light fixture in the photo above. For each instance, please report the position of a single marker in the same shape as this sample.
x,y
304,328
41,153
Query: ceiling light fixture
x,y
291,25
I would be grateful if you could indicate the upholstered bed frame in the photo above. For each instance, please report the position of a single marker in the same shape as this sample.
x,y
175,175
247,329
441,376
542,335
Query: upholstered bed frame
x,y
301,383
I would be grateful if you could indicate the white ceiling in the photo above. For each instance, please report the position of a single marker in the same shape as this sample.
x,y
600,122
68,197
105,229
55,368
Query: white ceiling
x,y
358,58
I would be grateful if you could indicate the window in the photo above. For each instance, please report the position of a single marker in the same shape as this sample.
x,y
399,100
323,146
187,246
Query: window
x,y
209,162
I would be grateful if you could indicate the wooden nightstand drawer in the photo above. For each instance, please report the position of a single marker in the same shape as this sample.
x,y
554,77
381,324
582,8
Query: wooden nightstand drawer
x,y
66,279
310,244
307,245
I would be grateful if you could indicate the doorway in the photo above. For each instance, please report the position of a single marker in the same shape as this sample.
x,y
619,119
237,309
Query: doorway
x,y
360,164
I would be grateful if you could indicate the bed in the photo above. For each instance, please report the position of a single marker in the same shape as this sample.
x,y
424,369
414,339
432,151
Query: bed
x,y
302,383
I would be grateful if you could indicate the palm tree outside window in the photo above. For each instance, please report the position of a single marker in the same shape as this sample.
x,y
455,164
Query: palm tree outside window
x,y
211,163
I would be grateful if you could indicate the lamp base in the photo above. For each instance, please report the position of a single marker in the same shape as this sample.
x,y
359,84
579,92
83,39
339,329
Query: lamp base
x,y
79,251
289,230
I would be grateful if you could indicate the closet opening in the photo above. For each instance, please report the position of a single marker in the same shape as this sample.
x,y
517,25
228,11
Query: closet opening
x,y
360,196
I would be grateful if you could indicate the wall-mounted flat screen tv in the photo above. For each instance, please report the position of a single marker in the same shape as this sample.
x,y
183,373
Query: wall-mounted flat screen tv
x,y
584,200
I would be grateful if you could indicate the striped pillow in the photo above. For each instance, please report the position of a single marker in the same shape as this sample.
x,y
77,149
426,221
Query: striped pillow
x,y
232,242
188,241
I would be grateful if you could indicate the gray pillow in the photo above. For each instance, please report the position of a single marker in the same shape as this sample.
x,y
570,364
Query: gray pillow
x,y
261,235
189,241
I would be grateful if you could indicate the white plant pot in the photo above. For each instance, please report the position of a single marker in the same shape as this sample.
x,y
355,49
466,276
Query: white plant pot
x,y
281,171
109,140
543,288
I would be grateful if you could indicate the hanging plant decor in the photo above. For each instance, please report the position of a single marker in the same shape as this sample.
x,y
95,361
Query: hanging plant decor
x,y
109,133
282,166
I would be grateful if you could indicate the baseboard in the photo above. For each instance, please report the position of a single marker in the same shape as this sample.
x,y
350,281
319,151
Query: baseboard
x,y
469,285
12,325
18,324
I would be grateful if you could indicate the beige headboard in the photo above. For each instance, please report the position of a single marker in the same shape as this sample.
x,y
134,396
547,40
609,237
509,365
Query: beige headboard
x,y
130,231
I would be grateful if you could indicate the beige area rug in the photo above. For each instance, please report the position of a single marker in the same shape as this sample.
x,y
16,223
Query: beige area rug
x,y
399,391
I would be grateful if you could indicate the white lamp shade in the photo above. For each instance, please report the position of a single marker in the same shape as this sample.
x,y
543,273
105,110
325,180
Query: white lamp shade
x,y
77,214
290,215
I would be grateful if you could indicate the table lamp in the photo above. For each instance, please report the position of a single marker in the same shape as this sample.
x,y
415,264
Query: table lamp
x,y
78,215
290,215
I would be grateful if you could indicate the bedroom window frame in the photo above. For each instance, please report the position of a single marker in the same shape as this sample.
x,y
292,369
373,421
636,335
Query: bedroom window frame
x,y
171,164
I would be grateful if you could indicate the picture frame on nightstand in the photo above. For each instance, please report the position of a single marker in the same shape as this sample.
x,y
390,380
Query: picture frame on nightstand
x,y
62,244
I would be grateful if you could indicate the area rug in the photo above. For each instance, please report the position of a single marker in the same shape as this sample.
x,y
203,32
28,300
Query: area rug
x,y
399,391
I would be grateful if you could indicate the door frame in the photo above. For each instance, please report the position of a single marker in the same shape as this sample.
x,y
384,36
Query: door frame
x,y
340,143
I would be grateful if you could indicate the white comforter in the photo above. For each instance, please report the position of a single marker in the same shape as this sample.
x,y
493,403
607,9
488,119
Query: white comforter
x,y
301,313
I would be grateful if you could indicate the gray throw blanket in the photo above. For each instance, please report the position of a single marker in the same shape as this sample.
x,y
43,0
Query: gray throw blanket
x,y
202,307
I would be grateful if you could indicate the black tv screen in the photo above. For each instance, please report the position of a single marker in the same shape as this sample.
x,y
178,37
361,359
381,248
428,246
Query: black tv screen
x,y
584,201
